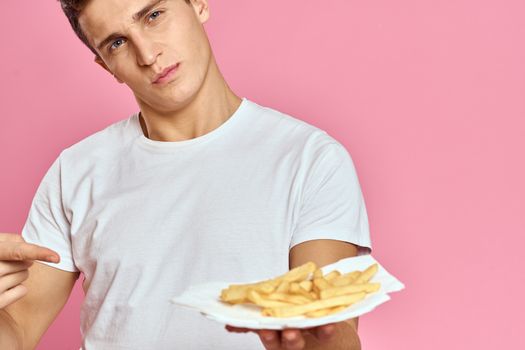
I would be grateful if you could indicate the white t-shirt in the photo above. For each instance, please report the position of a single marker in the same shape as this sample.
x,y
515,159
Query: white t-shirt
x,y
144,219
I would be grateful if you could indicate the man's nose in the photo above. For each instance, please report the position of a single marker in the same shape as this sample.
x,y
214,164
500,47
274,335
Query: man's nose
x,y
147,51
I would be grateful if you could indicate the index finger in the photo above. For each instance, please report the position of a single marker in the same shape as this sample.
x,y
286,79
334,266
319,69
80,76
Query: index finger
x,y
27,251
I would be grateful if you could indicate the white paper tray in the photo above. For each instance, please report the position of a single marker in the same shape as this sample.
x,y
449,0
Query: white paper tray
x,y
205,298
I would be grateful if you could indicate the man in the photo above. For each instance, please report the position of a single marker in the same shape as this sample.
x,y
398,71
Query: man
x,y
200,185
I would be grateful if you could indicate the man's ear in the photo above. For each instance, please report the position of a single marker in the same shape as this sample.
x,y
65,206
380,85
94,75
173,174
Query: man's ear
x,y
202,10
103,65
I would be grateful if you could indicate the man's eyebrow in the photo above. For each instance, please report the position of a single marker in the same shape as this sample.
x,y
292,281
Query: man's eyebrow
x,y
137,16
146,9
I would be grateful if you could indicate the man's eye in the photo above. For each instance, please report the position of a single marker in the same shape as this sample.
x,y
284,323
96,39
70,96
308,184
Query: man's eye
x,y
154,15
116,44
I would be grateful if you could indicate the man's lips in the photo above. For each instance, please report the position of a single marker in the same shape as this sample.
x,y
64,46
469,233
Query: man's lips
x,y
165,74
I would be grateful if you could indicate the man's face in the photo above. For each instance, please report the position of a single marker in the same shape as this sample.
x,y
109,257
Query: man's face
x,y
137,49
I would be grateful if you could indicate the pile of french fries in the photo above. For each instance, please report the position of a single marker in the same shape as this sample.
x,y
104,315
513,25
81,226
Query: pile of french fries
x,y
304,290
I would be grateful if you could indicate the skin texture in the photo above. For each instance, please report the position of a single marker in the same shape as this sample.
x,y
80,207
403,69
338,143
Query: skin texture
x,y
197,99
16,257
37,292
334,336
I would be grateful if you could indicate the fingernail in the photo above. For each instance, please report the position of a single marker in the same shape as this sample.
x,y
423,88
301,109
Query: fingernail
x,y
290,336
268,337
326,333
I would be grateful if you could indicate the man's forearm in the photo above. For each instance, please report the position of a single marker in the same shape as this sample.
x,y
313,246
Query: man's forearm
x,y
345,337
10,333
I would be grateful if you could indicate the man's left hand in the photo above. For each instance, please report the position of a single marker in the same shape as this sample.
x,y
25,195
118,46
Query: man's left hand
x,y
289,338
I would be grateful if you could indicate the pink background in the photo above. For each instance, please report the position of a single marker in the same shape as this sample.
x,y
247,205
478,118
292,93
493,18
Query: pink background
x,y
427,96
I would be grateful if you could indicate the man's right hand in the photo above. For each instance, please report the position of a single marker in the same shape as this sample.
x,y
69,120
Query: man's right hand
x,y
16,256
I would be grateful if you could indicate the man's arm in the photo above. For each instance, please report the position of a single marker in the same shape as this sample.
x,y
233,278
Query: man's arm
x,y
324,252
10,333
23,323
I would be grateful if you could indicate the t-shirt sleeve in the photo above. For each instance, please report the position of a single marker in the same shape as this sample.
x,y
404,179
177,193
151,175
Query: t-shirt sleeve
x,y
332,204
47,224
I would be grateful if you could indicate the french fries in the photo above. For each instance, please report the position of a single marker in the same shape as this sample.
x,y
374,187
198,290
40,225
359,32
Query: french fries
x,y
295,310
304,290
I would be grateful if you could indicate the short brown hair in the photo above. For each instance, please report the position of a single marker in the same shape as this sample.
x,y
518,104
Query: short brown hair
x,y
72,10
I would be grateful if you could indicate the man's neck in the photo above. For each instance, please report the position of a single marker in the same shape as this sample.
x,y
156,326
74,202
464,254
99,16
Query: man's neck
x,y
211,106
197,118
